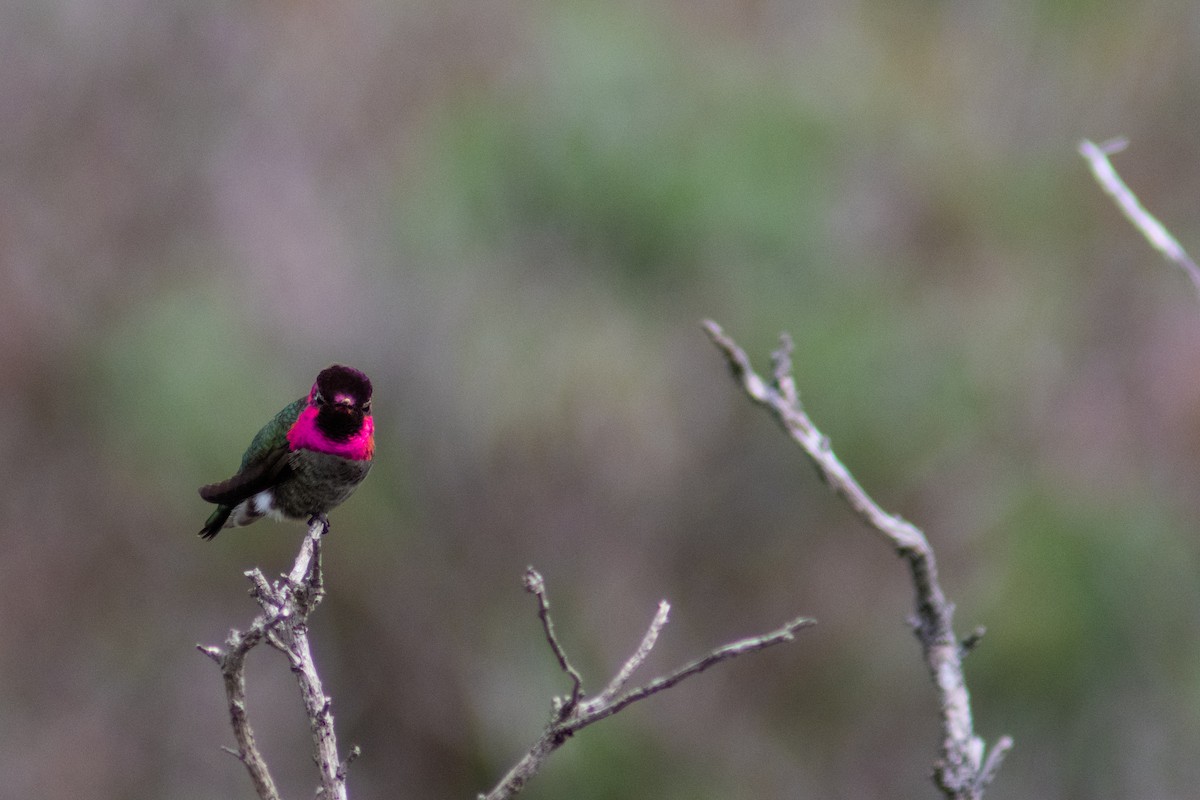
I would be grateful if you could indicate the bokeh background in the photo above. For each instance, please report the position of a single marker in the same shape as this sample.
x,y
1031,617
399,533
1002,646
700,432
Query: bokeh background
x,y
513,216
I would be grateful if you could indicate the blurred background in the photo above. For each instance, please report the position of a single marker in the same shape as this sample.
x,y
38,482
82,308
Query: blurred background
x,y
513,216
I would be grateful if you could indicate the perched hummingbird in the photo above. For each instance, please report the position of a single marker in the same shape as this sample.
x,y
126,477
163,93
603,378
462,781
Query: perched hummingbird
x,y
305,461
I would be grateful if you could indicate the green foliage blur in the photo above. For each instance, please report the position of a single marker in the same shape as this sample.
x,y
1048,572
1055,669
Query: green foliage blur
x,y
513,216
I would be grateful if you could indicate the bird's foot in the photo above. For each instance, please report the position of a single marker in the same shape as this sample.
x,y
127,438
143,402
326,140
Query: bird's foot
x,y
321,518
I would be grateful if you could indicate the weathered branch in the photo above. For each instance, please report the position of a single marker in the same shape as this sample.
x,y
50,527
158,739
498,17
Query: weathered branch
x,y
232,662
574,712
961,771
283,624
1154,231
536,585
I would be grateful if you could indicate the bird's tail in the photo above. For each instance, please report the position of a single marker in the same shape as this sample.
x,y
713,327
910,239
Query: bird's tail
x,y
215,522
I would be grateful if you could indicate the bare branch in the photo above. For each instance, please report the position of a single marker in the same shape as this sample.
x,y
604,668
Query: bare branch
x,y
994,760
787,412
317,704
232,662
536,585
1154,231
576,714
786,633
960,771
283,624
309,548
630,666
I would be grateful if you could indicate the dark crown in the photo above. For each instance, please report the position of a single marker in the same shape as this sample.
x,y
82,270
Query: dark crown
x,y
338,379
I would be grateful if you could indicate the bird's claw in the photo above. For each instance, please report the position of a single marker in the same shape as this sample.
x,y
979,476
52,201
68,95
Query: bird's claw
x,y
321,518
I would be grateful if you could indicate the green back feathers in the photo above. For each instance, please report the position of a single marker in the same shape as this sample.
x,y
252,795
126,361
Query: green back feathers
x,y
274,434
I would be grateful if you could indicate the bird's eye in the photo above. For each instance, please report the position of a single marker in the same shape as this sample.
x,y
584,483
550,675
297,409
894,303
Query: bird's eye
x,y
366,407
320,400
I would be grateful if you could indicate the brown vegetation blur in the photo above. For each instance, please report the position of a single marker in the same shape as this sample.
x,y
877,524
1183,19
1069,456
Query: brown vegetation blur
x,y
513,217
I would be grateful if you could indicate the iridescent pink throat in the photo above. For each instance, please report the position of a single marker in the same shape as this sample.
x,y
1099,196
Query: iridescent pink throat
x,y
305,434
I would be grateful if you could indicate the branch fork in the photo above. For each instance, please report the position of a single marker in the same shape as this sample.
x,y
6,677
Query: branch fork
x,y
961,770
283,624
575,711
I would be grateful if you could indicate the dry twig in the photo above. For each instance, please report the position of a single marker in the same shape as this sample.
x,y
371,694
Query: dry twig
x,y
283,624
961,772
575,712
1154,231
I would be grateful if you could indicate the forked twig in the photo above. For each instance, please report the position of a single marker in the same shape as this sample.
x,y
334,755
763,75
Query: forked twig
x,y
961,771
573,713
283,624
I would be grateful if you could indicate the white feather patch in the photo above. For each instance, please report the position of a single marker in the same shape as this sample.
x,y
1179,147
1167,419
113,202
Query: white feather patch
x,y
254,507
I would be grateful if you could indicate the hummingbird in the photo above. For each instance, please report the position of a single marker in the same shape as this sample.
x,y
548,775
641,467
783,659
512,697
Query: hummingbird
x,y
308,459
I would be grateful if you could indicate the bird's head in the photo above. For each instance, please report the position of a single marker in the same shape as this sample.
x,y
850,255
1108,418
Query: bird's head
x,y
342,398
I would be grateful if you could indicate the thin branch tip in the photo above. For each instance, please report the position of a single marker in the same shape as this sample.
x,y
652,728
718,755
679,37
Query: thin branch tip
x,y
1089,149
350,758
533,581
734,355
990,766
784,352
639,656
215,653
1127,201
536,585
971,641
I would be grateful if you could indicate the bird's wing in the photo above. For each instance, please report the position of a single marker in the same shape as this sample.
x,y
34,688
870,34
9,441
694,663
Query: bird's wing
x,y
260,474
274,434
264,463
